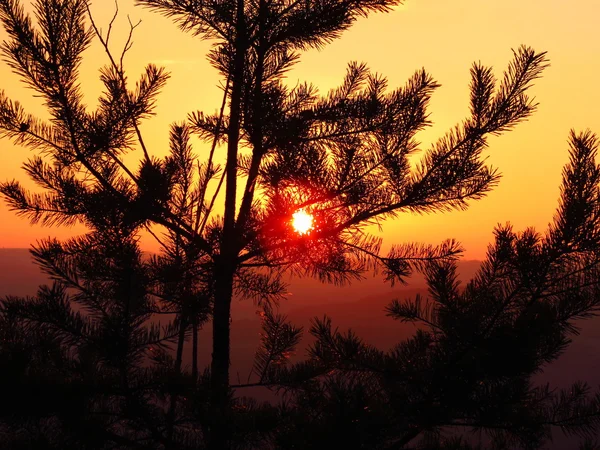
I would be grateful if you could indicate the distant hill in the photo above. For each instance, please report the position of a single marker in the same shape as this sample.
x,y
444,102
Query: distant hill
x,y
18,274
359,306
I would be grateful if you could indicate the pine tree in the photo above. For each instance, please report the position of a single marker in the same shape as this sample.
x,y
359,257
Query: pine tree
x,y
89,358
342,157
470,365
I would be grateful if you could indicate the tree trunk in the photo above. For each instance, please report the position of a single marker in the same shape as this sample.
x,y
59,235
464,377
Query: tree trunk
x,y
220,360
177,379
226,265
195,351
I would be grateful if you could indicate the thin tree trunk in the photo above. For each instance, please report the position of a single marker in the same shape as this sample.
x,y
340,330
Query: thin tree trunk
x,y
257,136
195,352
220,361
178,360
226,264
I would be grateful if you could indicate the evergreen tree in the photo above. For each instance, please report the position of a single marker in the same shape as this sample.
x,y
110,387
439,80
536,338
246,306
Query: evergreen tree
x,y
342,157
86,366
470,365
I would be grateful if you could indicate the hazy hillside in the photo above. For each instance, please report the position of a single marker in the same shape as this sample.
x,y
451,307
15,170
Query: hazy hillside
x,y
359,306
18,274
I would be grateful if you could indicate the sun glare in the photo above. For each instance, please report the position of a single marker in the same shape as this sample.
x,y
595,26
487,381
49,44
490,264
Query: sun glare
x,y
302,221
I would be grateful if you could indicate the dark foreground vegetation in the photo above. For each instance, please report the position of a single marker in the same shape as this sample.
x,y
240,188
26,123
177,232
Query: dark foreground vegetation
x,y
86,364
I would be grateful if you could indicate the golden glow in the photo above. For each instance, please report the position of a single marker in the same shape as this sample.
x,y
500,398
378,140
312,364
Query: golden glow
x,y
302,221
530,157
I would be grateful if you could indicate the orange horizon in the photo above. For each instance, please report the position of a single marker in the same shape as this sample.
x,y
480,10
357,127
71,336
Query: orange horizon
x,y
445,39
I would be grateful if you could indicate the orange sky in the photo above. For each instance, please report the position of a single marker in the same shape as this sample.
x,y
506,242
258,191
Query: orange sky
x,y
443,36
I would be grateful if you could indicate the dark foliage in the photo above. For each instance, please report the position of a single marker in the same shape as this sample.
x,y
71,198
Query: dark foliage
x,y
86,360
471,362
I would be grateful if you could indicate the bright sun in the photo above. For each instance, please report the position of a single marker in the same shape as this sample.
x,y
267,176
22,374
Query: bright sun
x,y
302,221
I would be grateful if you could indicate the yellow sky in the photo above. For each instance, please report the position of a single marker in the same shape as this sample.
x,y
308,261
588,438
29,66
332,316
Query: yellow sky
x,y
443,36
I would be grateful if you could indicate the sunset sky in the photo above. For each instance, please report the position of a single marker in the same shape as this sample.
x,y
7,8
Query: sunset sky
x,y
443,36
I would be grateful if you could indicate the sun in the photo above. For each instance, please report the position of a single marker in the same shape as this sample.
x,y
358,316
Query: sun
x,y
302,221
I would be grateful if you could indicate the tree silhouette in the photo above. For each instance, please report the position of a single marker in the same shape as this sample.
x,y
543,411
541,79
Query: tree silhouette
x,y
343,157
92,365
471,362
